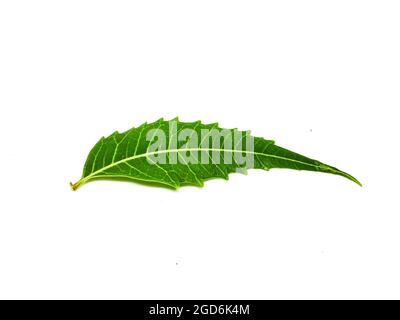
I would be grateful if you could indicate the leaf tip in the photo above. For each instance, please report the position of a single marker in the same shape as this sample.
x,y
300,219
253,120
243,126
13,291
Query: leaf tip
x,y
350,177
358,182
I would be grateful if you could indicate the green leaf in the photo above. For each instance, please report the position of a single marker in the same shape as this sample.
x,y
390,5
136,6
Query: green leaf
x,y
174,154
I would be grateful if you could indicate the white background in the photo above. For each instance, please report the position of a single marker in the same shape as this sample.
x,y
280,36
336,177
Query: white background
x,y
319,77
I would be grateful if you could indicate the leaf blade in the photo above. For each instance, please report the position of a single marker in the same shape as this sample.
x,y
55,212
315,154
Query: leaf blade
x,y
127,155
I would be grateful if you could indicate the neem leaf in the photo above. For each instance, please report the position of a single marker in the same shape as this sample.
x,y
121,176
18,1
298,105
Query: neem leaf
x,y
174,154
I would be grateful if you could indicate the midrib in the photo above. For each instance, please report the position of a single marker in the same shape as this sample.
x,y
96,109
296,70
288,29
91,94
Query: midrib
x,y
190,149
